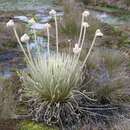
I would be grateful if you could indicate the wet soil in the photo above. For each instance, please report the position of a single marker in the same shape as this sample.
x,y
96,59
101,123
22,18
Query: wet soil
x,y
8,125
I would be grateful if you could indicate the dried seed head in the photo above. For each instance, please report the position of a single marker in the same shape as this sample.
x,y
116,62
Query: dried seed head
x,y
76,49
25,38
98,33
52,13
32,21
85,13
47,25
10,23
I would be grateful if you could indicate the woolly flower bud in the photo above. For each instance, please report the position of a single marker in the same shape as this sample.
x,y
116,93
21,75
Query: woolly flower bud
x,y
47,25
99,33
69,40
85,24
37,83
25,38
76,49
10,23
52,12
32,21
86,13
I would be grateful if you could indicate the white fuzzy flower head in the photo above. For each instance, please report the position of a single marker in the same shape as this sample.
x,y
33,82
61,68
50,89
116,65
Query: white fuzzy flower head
x,y
69,40
85,13
10,23
31,21
37,83
85,24
47,25
98,33
76,49
52,12
25,38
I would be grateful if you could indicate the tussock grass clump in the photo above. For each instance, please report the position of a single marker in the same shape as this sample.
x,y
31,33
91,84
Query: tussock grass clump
x,y
108,73
52,80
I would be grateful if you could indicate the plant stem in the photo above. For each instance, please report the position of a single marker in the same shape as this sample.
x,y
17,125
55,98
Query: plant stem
x,y
29,52
84,34
92,45
48,45
57,49
35,38
81,31
21,46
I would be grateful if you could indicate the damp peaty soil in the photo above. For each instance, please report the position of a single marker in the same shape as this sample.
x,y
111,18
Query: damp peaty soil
x,y
8,125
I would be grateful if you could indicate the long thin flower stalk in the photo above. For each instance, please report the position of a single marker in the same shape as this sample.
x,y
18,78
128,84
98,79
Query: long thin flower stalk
x,y
92,45
84,34
29,52
85,14
81,30
35,39
48,45
75,57
57,42
21,46
35,36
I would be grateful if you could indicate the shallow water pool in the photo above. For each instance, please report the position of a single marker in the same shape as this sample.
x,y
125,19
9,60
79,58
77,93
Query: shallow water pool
x,y
10,5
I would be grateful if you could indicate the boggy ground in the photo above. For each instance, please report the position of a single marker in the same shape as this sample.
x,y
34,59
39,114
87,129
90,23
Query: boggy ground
x,y
8,125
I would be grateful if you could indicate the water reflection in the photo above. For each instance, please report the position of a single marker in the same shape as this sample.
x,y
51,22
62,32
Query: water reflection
x,y
109,18
9,5
11,61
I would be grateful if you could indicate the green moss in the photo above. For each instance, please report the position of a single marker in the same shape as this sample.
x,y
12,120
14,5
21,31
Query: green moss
x,y
2,79
21,109
125,17
28,125
107,9
112,9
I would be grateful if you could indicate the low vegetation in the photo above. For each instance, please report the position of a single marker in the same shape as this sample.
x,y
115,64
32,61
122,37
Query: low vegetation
x,y
7,100
28,125
51,83
85,88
